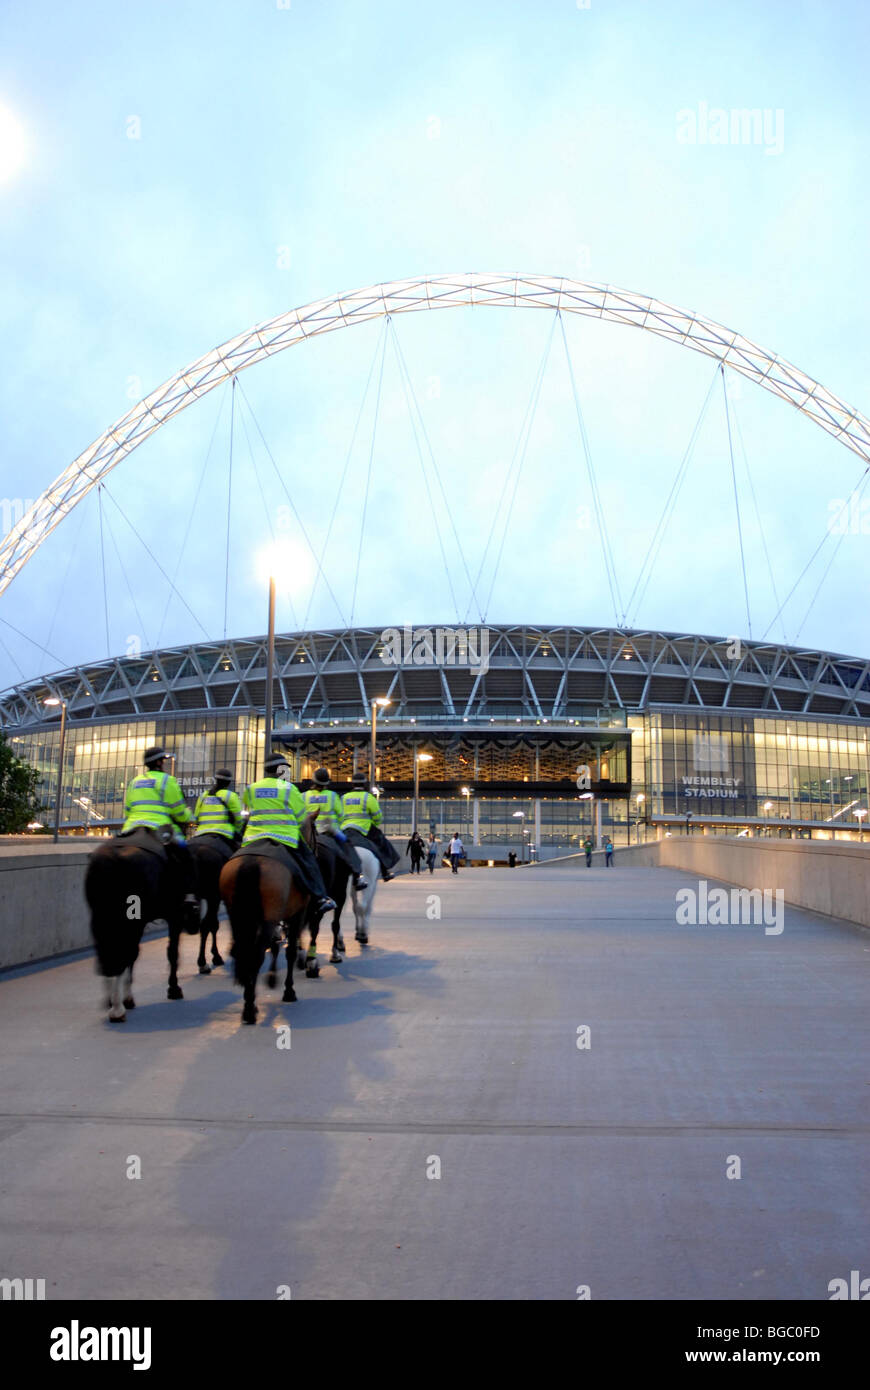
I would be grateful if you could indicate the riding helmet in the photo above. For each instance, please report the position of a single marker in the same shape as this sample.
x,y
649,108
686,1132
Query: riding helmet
x,y
321,777
359,779
274,763
223,776
154,755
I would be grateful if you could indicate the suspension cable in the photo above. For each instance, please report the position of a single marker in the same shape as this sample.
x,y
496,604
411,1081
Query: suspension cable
x,y
178,563
432,508
103,563
654,547
368,478
855,493
344,471
609,566
13,659
229,505
519,471
739,433
17,630
834,554
285,592
507,477
127,581
150,552
292,505
736,499
405,376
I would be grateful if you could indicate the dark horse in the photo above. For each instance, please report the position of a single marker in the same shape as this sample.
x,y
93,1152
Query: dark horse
x,y
209,854
336,874
129,882
261,897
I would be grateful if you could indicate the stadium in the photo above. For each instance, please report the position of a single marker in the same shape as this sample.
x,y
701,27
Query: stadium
x,y
533,738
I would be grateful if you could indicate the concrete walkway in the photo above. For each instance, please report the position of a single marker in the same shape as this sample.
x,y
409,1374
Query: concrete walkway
x,y
455,1040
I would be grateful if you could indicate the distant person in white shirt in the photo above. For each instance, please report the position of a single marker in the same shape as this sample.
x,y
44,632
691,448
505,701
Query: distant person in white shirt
x,y
456,851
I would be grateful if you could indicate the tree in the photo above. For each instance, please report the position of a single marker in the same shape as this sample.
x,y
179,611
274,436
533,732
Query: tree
x,y
19,803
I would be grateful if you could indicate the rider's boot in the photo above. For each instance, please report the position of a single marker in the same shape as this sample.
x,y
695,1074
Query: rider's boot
x,y
325,905
360,883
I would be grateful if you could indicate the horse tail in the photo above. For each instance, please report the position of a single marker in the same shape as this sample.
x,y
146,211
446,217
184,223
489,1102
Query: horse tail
x,y
246,918
114,893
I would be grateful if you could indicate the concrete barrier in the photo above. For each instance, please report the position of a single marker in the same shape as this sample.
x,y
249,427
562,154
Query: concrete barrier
x,y
42,903
43,912
830,877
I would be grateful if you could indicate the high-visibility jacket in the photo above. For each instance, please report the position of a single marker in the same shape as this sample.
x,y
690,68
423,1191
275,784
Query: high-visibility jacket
x,y
154,799
326,804
277,811
360,808
218,813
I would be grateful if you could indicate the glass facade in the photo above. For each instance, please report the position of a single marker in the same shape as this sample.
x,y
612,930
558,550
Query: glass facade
x,y
770,773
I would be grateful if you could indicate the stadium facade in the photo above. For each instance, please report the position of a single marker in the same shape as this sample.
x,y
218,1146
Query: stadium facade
x,y
548,732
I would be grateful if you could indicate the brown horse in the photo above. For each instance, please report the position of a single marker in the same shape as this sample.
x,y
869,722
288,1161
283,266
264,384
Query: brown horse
x,y
261,898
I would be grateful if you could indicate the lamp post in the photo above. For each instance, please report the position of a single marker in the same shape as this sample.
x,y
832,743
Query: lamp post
x,y
270,670
380,700
521,816
466,792
860,814
767,808
418,759
640,800
54,700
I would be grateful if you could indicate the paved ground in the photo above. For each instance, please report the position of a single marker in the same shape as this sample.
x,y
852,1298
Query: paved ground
x,y
455,1039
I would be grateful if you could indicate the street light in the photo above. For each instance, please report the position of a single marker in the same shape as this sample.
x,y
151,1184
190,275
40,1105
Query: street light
x,y
860,814
767,807
640,800
418,759
521,815
55,700
380,700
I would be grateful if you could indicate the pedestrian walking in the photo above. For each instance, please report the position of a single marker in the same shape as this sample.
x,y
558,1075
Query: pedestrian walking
x,y
457,852
608,852
432,852
417,850
587,849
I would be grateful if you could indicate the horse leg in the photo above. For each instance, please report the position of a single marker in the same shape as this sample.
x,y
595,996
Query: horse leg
x,y
216,957
337,942
249,1010
312,969
129,1001
174,990
272,977
204,969
117,1013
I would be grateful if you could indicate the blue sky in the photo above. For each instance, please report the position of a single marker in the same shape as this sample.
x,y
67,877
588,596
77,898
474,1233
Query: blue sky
x,y
289,154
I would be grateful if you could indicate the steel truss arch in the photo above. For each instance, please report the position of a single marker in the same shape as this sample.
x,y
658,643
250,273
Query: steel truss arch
x,y
847,425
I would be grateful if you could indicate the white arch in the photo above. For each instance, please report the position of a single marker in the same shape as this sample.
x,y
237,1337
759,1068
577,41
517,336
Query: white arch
x,y
693,331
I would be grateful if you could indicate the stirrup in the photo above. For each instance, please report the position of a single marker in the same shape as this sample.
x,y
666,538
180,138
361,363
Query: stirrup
x,y
360,883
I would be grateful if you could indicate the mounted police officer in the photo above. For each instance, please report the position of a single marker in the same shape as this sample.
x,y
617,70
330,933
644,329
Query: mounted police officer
x,y
276,812
219,810
361,821
154,802
324,805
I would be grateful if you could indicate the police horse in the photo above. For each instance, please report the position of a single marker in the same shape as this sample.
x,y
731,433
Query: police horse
x,y
262,899
129,882
209,854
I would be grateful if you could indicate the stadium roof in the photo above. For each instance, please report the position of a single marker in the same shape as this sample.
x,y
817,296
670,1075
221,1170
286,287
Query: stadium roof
x,y
529,671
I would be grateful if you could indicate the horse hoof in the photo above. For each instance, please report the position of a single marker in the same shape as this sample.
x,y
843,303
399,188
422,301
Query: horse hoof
x,y
174,992
121,1018
217,960
339,945
249,1015
312,972
336,959
362,938
205,969
129,1002
289,996
271,979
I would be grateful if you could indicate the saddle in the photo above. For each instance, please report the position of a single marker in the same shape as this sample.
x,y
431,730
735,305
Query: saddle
x,y
141,837
268,849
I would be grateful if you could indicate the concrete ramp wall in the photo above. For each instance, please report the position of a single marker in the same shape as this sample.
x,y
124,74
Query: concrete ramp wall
x,y
831,877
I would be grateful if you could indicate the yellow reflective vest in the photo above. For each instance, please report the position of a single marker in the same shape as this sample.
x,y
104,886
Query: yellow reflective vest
x,y
154,800
218,813
360,808
326,805
276,811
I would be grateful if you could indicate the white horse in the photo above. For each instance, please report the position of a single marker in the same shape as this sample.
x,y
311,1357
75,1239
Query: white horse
x,y
363,901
